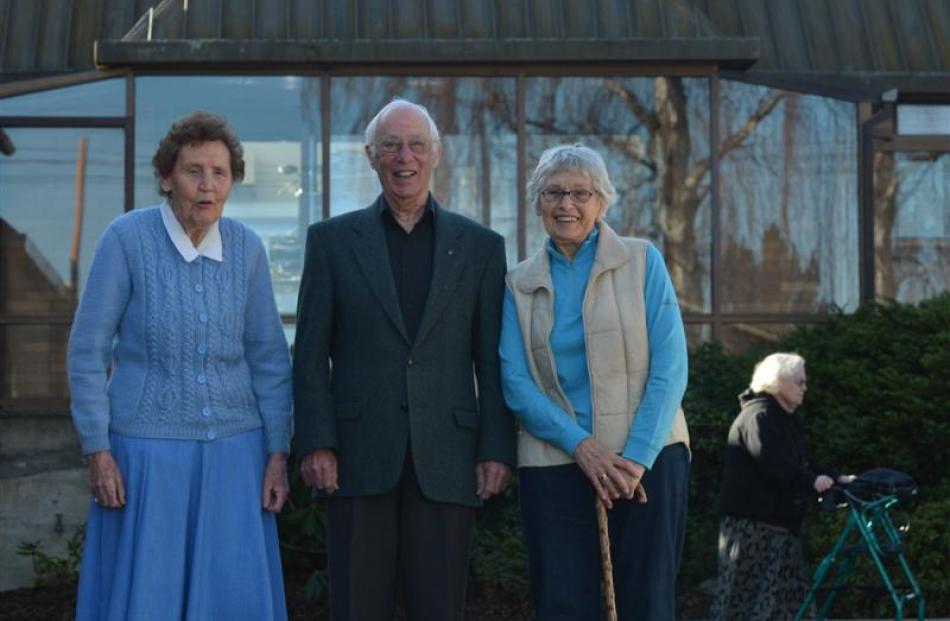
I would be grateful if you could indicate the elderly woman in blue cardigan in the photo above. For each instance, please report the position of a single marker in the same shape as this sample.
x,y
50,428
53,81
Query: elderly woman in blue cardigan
x,y
181,396
594,367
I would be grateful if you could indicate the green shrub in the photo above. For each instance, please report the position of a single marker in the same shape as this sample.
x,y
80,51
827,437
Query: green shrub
x,y
51,570
878,393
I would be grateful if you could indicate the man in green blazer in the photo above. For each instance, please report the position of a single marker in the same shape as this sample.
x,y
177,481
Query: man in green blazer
x,y
399,416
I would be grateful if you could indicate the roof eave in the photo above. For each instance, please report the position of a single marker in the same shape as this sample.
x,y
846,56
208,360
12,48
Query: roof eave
x,y
734,53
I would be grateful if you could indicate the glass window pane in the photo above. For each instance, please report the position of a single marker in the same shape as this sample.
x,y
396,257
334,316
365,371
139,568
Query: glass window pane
x,y
34,362
912,224
742,337
697,334
788,201
654,135
477,175
43,272
100,98
278,122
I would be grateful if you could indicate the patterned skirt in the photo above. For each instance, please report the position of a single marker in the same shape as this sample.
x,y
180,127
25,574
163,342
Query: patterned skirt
x,y
760,572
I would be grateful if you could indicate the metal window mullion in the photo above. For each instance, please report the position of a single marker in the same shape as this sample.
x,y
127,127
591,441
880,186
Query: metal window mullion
x,y
520,95
714,244
129,129
325,143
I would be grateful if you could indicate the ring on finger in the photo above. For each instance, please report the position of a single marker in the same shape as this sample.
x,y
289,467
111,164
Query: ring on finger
x,y
602,476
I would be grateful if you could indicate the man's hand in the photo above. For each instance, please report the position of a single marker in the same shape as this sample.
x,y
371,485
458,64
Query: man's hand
x,y
105,480
319,471
491,477
275,490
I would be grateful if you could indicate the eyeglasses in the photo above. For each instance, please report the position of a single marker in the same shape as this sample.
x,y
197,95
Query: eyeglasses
x,y
555,196
391,147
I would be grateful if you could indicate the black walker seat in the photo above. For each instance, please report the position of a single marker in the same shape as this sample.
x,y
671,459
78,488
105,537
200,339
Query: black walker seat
x,y
868,500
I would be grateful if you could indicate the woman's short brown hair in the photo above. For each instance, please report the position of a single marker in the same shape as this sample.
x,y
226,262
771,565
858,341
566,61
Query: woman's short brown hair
x,y
196,128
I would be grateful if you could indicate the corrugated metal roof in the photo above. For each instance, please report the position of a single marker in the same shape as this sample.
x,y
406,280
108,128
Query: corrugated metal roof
x,y
845,36
51,37
850,43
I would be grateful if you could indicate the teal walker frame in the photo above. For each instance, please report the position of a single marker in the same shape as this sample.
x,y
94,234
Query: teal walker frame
x,y
878,537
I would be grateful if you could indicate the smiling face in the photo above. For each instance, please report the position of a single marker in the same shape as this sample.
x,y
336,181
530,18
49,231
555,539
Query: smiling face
x,y
404,158
198,186
568,221
791,391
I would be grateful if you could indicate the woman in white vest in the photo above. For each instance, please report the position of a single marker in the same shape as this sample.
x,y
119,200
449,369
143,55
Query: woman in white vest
x,y
594,366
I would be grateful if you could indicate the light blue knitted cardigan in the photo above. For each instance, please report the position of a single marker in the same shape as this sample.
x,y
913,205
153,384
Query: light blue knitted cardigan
x,y
163,348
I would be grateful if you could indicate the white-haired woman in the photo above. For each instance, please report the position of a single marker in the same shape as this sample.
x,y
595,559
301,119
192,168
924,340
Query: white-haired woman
x,y
768,481
594,366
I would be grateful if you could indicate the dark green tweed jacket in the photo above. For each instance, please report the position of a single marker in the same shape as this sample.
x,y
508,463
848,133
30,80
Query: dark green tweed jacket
x,y
362,388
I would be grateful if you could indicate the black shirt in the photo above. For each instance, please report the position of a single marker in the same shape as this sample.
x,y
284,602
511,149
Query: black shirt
x,y
410,256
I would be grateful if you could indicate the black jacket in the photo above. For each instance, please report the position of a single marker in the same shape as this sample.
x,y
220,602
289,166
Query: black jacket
x,y
768,476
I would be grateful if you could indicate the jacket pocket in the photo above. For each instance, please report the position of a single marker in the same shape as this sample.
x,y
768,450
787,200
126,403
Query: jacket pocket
x,y
467,419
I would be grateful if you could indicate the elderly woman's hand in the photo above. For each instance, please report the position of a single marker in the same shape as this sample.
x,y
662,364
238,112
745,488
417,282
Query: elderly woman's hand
x,y
105,480
611,475
823,483
276,488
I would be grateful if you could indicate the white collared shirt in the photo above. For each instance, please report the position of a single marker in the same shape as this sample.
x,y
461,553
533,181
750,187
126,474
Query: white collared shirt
x,y
209,247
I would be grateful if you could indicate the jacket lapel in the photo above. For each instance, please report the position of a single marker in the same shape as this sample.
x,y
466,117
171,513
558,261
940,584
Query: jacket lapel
x,y
372,256
447,268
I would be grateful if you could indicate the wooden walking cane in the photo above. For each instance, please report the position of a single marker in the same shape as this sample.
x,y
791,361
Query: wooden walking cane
x,y
606,564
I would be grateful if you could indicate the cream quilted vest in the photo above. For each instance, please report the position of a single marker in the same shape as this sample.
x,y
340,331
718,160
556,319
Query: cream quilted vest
x,y
615,335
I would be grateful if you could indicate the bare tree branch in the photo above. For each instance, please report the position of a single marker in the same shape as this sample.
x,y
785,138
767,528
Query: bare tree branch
x,y
766,105
645,116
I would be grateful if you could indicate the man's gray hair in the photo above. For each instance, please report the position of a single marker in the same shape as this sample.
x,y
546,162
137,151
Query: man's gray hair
x,y
575,158
372,129
771,370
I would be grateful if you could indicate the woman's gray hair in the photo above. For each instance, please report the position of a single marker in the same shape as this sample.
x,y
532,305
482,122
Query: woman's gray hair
x,y
771,370
575,158
370,135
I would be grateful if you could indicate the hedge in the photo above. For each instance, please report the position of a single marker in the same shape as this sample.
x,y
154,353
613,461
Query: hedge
x,y
878,395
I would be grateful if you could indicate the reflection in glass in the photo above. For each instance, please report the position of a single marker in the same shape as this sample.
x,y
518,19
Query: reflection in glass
x,y
278,122
34,362
697,334
44,251
99,98
743,337
477,175
911,224
789,201
654,135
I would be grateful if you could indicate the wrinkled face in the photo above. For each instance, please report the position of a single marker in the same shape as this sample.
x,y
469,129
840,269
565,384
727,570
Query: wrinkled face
x,y
404,157
792,390
199,185
569,219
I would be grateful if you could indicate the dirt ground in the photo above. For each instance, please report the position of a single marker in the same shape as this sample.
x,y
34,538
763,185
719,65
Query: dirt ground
x,y
57,604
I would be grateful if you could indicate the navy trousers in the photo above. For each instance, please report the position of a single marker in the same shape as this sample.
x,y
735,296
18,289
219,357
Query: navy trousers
x,y
557,505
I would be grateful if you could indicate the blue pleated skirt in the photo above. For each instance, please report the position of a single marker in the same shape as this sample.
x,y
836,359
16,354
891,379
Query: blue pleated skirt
x,y
192,542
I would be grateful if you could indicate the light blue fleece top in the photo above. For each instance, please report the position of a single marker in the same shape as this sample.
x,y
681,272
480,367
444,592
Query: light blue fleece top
x,y
546,420
166,348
